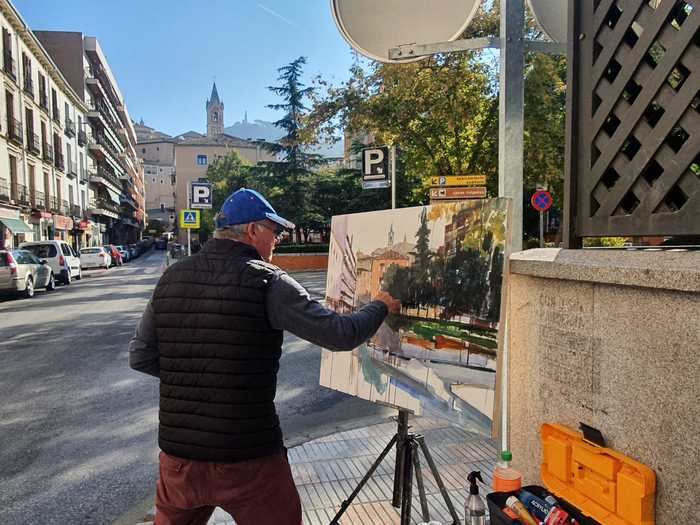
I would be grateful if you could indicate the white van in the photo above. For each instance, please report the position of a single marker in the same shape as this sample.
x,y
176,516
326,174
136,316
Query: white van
x,y
63,260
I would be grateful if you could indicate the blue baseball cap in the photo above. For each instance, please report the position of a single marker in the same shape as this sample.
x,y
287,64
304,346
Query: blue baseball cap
x,y
244,206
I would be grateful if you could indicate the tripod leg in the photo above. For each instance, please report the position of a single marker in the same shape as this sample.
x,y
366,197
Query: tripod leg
x,y
438,480
406,493
364,480
402,433
421,488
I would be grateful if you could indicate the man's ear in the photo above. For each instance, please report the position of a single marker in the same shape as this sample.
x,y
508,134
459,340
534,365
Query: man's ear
x,y
251,230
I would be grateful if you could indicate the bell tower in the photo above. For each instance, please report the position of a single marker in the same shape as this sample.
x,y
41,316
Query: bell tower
x,y
215,114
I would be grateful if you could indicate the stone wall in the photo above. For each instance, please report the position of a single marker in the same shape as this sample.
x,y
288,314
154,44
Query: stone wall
x,y
610,339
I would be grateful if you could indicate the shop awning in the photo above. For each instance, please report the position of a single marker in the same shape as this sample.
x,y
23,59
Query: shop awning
x,y
114,195
16,226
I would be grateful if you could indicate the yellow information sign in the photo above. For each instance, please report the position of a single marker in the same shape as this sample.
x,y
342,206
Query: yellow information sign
x,y
189,219
459,180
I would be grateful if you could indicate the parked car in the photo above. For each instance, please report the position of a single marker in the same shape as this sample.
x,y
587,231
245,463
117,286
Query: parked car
x,y
133,251
95,257
22,272
114,253
63,260
161,244
123,252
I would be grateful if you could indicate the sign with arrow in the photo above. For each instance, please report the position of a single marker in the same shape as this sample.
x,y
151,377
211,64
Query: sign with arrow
x,y
458,180
457,193
189,219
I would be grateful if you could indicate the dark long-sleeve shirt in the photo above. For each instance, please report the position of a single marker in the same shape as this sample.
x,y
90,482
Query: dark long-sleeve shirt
x,y
290,308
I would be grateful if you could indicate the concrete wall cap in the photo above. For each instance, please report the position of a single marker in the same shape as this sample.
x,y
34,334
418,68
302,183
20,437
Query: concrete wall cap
x,y
664,269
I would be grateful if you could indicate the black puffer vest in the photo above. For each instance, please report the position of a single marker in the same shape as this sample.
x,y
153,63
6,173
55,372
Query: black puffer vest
x,y
218,356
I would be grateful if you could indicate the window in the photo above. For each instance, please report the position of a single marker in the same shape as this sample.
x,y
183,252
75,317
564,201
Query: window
x,y
162,207
201,160
161,181
143,150
154,179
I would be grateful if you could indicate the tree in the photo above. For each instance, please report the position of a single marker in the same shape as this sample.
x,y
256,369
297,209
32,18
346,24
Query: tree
x,y
292,172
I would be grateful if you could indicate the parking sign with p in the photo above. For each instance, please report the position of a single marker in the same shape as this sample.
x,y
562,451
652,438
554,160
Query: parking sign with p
x,y
201,195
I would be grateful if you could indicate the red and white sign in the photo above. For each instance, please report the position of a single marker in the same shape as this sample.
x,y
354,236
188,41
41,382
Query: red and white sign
x,y
62,223
541,200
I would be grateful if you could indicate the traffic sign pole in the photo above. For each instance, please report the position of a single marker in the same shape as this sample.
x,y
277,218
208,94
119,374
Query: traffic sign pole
x,y
189,231
541,229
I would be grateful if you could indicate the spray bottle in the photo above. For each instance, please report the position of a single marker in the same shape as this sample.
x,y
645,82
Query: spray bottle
x,y
474,507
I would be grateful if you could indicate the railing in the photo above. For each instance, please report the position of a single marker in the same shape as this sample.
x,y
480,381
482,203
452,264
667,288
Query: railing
x,y
33,142
43,100
53,204
47,150
65,207
4,191
39,200
101,107
104,204
8,64
103,141
70,128
82,138
29,86
58,161
14,130
20,194
108,176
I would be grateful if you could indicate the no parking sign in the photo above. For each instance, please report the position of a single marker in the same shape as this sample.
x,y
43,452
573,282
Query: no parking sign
x,y
541,201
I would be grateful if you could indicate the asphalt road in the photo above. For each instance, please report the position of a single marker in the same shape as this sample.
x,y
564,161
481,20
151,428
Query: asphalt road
x,y
78,427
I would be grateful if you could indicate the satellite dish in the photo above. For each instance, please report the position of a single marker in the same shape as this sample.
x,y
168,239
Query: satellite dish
x,y
551,16
372,27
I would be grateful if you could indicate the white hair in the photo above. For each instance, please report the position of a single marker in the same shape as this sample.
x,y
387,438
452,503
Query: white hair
x,y
236,232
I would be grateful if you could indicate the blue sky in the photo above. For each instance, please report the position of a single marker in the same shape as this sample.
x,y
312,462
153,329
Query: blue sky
x,y
166,53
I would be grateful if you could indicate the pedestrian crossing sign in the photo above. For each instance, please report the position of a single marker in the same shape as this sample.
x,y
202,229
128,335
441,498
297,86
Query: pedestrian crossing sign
x,y
189,219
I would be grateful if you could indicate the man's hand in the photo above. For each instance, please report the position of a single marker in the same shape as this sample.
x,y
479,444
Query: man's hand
x,y
392,304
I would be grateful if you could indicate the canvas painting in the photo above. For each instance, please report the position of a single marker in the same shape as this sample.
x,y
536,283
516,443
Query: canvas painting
x,y
444,263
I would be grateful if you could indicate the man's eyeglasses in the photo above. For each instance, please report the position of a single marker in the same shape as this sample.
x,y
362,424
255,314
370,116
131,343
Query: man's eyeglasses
x,y
278,231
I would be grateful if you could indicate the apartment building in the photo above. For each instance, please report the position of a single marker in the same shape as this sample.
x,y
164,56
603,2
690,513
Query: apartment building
x,y
44,189
157,150
116,174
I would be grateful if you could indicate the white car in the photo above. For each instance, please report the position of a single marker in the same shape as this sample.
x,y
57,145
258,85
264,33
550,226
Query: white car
x,y
63,260
95,257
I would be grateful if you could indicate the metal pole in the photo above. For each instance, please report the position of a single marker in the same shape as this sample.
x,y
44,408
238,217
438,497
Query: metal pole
x,y
541,229
510,150
402,437
393,177
189,230
510,118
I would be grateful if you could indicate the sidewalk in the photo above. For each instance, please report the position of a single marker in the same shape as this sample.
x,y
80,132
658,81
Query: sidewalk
x,y
327,470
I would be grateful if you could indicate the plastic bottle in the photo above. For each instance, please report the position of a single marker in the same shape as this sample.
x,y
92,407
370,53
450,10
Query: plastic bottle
x,y
523,515
505,478
474,507
538,507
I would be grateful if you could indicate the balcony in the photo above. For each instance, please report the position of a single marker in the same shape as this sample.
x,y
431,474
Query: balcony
x,y
126,200
38,200
65,207
53,204
82,138
28,86
106,178
47,152
20,194
75,211
8,65
33,142
58,161
104,207
14,130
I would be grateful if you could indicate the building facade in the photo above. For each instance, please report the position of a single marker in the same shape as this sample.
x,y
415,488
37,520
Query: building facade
x,y
187,157
44,186
117,193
